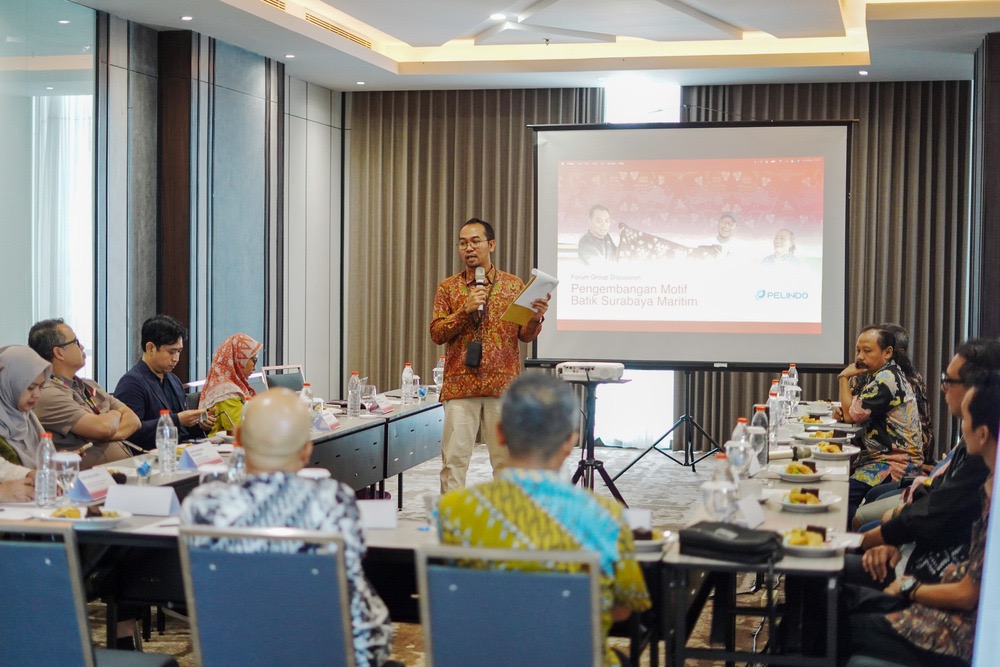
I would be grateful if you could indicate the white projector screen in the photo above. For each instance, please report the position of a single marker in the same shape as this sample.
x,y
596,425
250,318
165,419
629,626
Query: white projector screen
x,y
726,243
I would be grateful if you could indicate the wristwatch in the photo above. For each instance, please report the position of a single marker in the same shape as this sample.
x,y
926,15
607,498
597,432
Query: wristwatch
x,y
909,587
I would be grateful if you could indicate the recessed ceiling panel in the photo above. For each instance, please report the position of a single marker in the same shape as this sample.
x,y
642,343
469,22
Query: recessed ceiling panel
x,y
520,33
645,19
422,22
786,19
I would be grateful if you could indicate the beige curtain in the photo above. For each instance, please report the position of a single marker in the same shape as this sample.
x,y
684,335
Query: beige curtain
x,y
422,163
909,219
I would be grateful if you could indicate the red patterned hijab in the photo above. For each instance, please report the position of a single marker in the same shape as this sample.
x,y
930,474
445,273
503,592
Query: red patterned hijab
x,y
226,376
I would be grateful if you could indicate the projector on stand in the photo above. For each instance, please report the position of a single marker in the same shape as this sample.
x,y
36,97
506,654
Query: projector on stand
x,y
584,371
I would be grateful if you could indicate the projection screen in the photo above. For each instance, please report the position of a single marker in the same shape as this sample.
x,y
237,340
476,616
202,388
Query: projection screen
x,y
694,244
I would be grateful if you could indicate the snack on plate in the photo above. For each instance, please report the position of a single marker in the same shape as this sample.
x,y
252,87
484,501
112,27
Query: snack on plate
x,y
67,513
804,496
801,468
821,434
811,420
805,537
830,448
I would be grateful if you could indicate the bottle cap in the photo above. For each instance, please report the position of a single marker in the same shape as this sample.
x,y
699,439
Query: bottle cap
x,y
760,408
306,384
791,365
164,412
46,434
784,372
721,455
408,364
741,420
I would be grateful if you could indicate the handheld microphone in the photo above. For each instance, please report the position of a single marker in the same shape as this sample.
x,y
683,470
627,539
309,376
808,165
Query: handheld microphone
x,y
480,280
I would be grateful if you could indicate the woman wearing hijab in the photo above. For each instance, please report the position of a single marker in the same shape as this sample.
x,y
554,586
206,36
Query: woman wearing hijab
x,y
22,374
227,386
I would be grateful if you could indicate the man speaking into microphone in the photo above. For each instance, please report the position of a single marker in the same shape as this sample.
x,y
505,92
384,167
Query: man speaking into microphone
x,y
482,356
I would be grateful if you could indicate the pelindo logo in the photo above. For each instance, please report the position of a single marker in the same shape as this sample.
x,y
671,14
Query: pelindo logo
x,y
798,296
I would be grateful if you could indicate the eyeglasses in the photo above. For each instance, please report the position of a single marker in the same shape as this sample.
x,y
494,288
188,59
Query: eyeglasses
x,y
474,243
945,381
75,341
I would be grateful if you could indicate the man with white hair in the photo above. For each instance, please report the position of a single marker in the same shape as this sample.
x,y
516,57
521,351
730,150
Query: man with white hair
x,y
275,434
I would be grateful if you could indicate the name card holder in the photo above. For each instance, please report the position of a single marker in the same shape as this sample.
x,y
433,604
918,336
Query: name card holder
x,y
383,405
377,514
202,453
147,500
92,484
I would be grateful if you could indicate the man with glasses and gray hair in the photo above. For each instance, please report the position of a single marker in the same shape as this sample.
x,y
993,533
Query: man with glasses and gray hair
x,y
75,410
482,356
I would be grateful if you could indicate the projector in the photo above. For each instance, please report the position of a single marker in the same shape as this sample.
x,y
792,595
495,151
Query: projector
x,y
583,371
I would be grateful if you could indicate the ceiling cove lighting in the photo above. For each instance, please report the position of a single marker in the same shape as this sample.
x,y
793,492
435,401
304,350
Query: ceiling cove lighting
x,y
187,18
290,55
863,72
498,17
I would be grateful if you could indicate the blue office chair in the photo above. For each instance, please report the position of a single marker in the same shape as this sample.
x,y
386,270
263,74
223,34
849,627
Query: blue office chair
x,y
289,376
473,614
266,608
43,620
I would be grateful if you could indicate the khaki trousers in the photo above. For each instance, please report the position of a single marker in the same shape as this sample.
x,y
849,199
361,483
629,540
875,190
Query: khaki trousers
x,y
462,420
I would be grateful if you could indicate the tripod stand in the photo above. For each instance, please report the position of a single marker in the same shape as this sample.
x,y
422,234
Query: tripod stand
x,y
588,464
688,421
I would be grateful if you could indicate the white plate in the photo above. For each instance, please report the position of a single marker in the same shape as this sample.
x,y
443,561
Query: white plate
x,y
823,421
826,500
86,522
821,551
649,545
779,470
224,449
849,451
811,437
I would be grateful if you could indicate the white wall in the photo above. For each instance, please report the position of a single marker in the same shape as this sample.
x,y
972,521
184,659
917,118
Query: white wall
x,y
313,225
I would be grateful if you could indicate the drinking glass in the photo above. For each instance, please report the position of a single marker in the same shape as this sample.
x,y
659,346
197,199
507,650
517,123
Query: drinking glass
x,y
438,378
719,498
67,467
213,472
419,390
368,394
739,454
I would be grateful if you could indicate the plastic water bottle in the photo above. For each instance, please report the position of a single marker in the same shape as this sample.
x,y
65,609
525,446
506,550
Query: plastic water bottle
x,y
774,417
306,394
354,395
407,384
740,432
237,465
45,475
759,427
793,374
166,443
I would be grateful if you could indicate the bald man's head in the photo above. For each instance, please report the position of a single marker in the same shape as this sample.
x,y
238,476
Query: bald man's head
x,y
275,429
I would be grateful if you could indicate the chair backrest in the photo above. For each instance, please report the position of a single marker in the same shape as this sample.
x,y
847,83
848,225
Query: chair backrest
x,y
468,609
193,396
267,607
289,376
257,382
43,618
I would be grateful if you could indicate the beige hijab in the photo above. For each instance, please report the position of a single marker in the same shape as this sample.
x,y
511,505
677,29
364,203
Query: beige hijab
x,y
19,366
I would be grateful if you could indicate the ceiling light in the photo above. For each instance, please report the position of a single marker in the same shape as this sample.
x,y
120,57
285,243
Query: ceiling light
x,y
49,88
863,72
498,17
361,83
187,18
63,22
289,55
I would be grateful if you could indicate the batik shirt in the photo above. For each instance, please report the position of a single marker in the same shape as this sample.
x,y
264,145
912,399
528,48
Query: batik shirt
x,y
452,326
886,408
948,632
535,510
283,499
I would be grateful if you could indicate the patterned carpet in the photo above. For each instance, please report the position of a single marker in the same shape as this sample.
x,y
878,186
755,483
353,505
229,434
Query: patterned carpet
x,y
669,490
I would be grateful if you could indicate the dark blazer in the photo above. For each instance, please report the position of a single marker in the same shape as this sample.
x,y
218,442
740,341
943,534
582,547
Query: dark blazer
x,y
142,391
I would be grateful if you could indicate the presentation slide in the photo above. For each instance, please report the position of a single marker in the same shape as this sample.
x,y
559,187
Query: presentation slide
x,y
721,244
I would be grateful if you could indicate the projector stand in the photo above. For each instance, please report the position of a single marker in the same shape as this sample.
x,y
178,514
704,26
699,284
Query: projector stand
x,y
588,464
687,420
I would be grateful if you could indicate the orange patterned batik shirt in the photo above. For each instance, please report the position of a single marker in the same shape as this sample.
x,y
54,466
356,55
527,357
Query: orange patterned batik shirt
x,y
452,326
